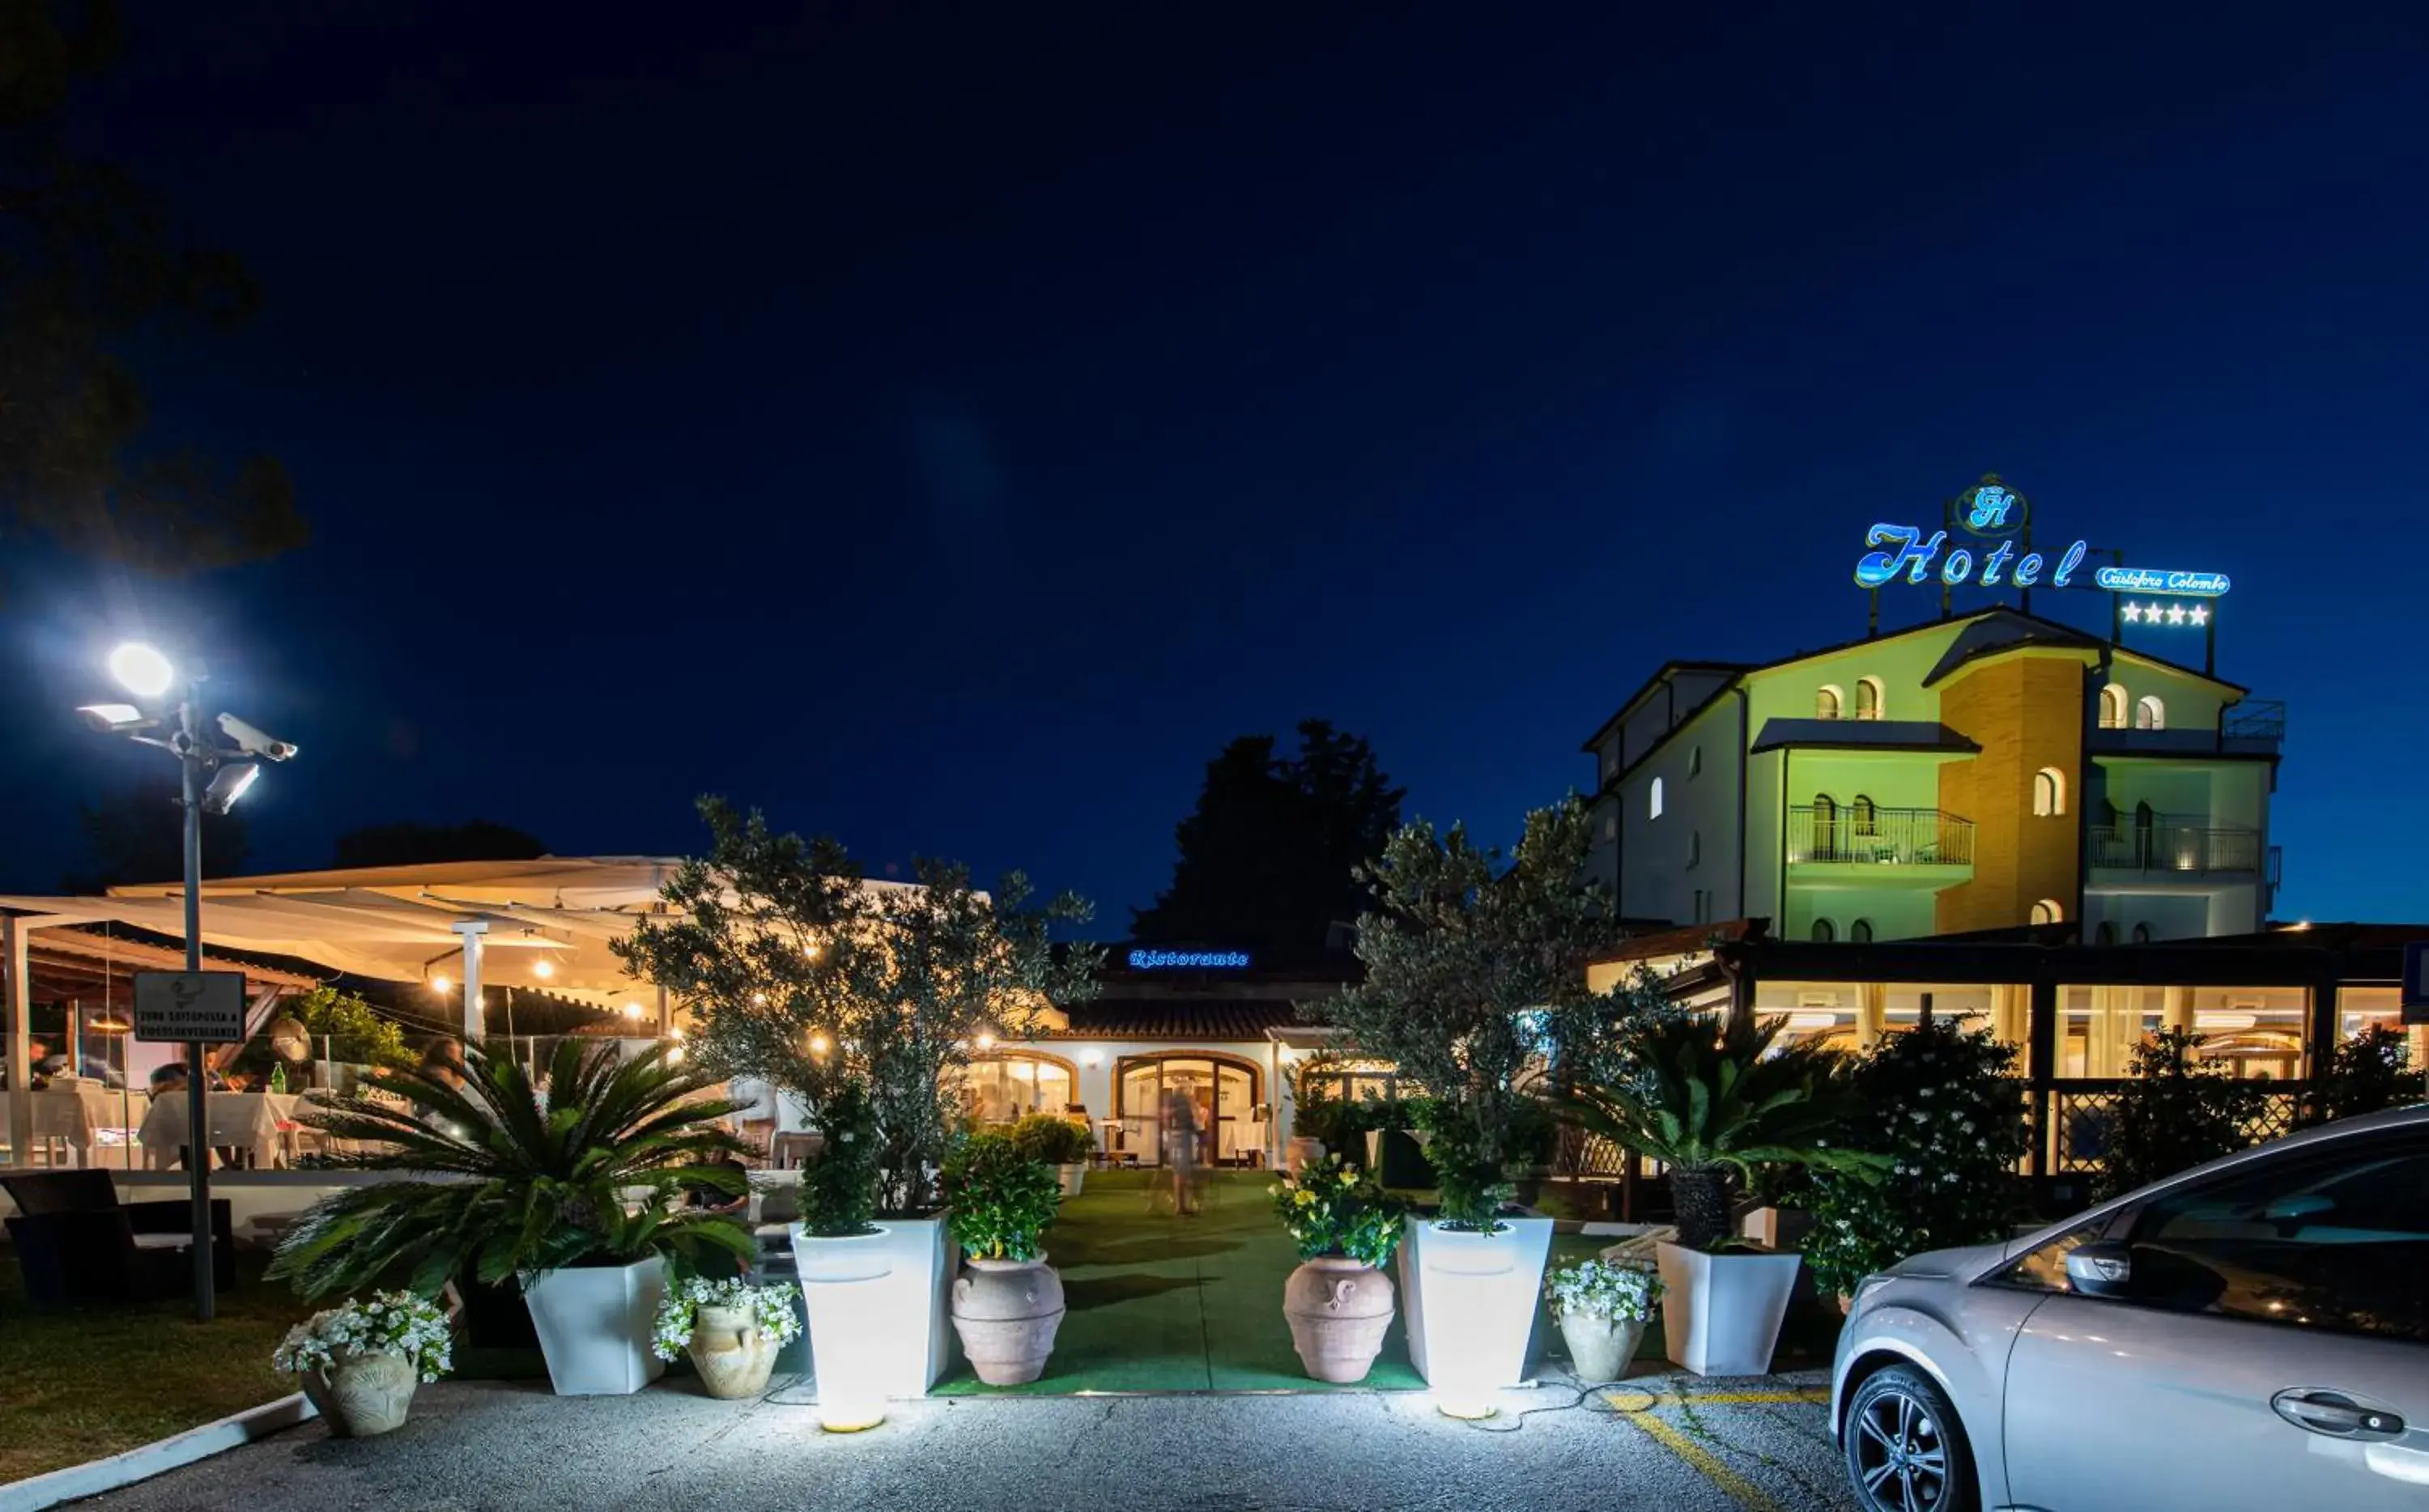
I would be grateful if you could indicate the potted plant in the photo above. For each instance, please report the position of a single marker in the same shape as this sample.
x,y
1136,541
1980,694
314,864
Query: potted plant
x,y
1941,1104
801,972
1008,1302
1339,1302
1601,1309
543,1194
1064,1144
730,1330
359,1363
1714,1103
845,1264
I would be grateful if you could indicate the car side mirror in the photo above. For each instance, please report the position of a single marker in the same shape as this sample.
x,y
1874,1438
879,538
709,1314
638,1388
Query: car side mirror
x,y
2101,1268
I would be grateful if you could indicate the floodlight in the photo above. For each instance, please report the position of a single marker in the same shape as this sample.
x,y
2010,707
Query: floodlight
x,y
115,719
544,968
439,983
141,670
229,784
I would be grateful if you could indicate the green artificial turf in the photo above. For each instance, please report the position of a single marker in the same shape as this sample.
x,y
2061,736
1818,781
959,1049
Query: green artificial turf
x,y
1159,1303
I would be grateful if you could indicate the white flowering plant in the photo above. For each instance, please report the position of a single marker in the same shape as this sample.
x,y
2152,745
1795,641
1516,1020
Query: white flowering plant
x,y
1599,1288
391,1322
770,1308
1942,1108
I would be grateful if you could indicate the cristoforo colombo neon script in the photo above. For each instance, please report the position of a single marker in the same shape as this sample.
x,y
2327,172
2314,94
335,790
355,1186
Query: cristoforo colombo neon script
x,y
1993,510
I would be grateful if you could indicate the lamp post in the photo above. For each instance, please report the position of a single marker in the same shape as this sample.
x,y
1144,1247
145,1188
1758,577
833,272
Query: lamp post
x,y
215,775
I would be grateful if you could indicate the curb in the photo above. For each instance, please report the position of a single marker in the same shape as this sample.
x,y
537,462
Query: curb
x,y
122,1470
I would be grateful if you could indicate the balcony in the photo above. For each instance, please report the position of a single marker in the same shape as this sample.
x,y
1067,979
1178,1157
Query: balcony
x,y
2178,847
2252,727
1854,835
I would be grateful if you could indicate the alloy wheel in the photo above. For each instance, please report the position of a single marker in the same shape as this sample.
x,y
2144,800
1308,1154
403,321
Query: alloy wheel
x,y
1901,1454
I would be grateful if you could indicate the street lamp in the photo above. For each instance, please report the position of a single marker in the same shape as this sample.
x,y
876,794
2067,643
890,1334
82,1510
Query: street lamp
x,y
215,776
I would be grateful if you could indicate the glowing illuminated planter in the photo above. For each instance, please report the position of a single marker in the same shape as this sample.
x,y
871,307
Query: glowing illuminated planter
x,y
1721,1313
595,1323
1470,1300
904,1310
840,1279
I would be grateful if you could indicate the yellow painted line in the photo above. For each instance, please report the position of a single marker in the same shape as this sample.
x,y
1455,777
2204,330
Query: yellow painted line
x,y
1630,1400
1747,1493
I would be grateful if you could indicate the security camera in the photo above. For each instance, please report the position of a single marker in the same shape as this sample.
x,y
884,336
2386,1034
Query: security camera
x,y
254,742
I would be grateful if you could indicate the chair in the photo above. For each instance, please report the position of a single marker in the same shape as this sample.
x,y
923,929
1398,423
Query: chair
x,y
76,1242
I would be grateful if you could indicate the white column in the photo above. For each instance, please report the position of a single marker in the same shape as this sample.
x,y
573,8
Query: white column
x,y
1872,1013
2176,1008
472,931
21,1044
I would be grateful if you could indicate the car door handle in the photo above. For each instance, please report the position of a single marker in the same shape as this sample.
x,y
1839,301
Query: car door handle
x,y
2335,1414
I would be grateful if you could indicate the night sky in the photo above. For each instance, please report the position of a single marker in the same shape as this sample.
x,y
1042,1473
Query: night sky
x,y
948,427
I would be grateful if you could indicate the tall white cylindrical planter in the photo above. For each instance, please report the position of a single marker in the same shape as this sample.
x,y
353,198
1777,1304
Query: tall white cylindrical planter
x,y
843,1280
1721,1313
594,1324
1470,1301
908,1307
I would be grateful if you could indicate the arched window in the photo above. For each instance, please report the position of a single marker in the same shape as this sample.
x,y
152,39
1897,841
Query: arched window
x,y
1868,697
2141,934
2106,935
1694,761
1864,817
2048,911
2113,706
1827,701
1826,827
1653,800
1860,932
1823,932
2049,792
2150,714
1694,847
1011,1084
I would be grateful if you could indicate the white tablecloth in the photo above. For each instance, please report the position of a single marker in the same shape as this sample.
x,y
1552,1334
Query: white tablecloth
x,y
75,1113
239,1120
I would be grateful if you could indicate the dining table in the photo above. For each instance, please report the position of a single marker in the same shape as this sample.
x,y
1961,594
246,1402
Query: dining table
x,y
77,1116
257,1123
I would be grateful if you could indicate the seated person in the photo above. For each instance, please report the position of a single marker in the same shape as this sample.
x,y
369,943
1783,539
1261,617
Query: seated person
x,y
39,1064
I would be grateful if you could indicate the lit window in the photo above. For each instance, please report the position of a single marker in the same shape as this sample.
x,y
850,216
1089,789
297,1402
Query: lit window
x,y
1611,826
2113,706
2150,714
1823,932
2049,792
1860,932
1827,701
2048,911
1868,697
1864,817
1694,847
1696,760
1653,800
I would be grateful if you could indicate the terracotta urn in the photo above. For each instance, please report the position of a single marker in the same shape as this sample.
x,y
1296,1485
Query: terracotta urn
x,y
1006,1312
362,1395
1338,1311
731,1352
1600,1346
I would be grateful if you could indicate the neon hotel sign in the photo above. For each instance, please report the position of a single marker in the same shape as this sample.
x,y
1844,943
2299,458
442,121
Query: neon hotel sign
x,y
1994,512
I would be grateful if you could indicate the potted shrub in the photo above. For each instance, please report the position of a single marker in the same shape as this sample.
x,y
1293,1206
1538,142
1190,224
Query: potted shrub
x,y
730,1330
359,1363
802,974
1714,1103
1008,1302
1339,1302
1064,1144
1941,1105
845,1263
1601,1308
542,1193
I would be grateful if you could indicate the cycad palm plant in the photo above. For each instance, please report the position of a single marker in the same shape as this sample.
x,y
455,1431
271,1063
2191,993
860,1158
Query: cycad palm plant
x,y
1713,1103
513,1183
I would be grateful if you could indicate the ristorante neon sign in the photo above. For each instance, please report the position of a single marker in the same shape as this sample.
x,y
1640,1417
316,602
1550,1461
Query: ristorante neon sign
x,y
1993,511
1188,960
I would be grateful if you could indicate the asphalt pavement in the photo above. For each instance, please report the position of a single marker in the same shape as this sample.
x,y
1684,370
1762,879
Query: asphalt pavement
x,y
1661,1441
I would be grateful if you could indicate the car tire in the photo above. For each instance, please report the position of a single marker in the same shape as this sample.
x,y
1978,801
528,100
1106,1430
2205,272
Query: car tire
x,y
1904,1448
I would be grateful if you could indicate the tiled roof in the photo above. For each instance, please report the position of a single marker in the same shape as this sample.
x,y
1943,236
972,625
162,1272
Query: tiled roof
x,y
1165,1019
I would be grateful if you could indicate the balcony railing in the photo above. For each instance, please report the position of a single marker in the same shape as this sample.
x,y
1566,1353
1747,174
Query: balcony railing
x,y
1860,836
2176,846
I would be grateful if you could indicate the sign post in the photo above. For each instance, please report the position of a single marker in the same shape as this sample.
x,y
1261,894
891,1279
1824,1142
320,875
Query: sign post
x,y
197,1009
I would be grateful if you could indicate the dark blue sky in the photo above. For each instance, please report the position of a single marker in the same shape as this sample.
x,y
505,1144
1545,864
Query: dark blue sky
x,y
948,427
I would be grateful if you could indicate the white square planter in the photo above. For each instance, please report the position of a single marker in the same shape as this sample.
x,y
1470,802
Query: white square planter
x,y
1469,1300
1721,1313
594,1324
909,1309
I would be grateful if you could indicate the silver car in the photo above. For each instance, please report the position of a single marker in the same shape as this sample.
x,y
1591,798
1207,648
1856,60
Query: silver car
x,y
2251,1333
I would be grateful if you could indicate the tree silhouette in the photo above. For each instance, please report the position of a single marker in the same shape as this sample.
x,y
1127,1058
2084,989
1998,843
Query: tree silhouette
x,y
138,834
1267,859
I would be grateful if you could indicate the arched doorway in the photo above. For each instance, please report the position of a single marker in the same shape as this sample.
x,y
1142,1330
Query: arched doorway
x,y
1228,1088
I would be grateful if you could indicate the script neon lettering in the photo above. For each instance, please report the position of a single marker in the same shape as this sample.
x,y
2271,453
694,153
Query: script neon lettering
x,y
1877,567
1997,560
2028,569
1958,566
2067,564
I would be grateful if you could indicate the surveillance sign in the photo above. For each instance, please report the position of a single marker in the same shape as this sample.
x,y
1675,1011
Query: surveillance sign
x,y
190,1007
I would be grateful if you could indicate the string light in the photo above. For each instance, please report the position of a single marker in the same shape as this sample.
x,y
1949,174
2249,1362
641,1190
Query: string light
x,y
544,968
439,983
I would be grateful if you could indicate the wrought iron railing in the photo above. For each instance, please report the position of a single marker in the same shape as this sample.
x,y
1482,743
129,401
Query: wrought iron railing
x,y
2262,719
2173,844
1890,837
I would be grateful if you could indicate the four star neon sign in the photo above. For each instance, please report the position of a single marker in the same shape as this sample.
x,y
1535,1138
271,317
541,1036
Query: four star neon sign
x,y
2170,613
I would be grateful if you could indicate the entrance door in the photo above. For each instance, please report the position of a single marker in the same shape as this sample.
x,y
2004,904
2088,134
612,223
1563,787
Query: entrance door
x,y
1224,1091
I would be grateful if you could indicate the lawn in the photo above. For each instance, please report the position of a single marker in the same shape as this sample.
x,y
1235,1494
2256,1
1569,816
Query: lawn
x,y
77,1385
